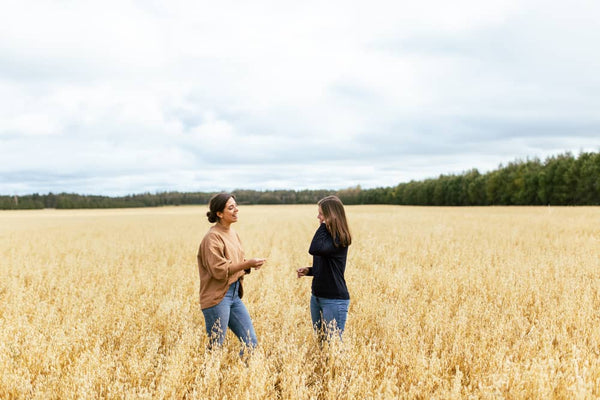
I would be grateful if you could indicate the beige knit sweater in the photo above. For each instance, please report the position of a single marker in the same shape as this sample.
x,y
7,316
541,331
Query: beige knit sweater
x,y
219,249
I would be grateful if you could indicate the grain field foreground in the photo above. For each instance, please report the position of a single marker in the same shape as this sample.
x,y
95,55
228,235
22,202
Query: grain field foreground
x,y
445,303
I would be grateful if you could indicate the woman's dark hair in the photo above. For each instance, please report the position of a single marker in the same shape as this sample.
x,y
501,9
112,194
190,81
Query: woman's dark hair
x,y
217,204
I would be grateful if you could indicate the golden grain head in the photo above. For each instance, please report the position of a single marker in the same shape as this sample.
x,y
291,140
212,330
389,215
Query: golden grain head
x,y
445,303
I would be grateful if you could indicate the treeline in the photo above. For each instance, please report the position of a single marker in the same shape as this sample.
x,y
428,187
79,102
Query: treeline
x,y
69,200
558,180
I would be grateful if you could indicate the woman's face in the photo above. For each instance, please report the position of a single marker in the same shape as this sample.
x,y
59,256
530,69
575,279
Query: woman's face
x,y
320,216
229,213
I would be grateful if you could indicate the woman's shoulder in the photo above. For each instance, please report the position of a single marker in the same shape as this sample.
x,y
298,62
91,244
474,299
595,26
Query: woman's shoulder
x,y
212,234
323,228
217,233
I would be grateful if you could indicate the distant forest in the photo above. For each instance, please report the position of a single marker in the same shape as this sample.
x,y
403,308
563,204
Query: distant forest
x,y
558,180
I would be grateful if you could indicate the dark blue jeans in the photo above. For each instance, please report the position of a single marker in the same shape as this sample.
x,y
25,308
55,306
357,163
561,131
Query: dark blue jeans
x,y
328,315
229,313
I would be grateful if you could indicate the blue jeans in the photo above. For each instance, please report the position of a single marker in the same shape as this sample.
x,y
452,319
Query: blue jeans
x,y
232,313
328,315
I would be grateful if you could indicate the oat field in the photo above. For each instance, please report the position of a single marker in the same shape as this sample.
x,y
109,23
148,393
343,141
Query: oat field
x,y
446,303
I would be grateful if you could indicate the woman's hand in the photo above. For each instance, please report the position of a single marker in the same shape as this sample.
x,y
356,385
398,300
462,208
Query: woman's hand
x,y
302,272
256,263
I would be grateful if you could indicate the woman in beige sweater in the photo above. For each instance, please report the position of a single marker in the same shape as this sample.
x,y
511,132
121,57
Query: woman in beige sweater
x,y
222,268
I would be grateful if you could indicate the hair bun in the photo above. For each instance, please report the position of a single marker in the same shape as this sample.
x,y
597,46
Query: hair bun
x,y
212,217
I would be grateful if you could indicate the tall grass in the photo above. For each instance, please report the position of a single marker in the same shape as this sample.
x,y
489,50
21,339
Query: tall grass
x,y
445,303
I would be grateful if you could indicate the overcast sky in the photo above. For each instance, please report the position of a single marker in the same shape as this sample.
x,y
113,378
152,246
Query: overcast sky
x,y
120,97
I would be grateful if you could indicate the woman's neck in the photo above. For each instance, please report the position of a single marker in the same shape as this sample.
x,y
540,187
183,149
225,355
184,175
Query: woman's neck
x,y
223,225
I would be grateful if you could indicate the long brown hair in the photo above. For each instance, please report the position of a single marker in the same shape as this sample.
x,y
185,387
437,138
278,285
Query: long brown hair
x,y
335,220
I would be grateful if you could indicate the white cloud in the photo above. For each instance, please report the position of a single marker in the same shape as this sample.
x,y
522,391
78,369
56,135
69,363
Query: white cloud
x,y
124,97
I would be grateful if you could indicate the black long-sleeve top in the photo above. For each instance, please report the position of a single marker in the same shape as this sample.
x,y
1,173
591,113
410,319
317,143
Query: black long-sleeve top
x,y
329,264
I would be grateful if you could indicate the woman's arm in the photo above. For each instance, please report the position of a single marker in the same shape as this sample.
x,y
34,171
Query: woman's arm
x,y
255,263
219,266
322,243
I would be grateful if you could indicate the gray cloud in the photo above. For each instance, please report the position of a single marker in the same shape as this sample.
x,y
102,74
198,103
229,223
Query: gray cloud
x,y
135,97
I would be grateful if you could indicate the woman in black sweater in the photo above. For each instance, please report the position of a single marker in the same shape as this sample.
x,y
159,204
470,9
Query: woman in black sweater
x,y
329,247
